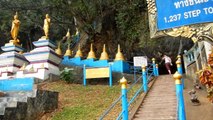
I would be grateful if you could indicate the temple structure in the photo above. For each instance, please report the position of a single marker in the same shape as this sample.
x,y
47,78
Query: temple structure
x,y
39,63
118,64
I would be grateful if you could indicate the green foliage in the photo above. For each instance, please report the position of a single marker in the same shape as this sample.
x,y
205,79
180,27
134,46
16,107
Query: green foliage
x,y
126,19
67,75
131,20
78,102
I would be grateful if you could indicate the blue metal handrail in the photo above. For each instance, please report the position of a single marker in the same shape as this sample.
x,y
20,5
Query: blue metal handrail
x,y
136,94
177,115
149,72
110,108
149,76
120,115
131,86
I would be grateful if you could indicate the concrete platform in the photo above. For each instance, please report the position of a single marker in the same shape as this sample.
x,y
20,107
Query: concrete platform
x,y
202,112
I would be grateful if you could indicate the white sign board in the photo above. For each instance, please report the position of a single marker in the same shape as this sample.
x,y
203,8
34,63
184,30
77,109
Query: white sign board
x,y
140,60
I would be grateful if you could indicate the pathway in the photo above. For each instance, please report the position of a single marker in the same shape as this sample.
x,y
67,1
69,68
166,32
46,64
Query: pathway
x,y
160,103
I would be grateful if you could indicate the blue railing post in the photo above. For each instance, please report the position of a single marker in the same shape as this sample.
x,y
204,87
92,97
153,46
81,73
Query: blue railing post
x,y
154,66
134,73
110,75
180,99
180,70
123,83
145,86
157,70
84,72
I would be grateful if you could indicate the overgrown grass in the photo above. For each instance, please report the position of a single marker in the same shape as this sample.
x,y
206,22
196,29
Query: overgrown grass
x,y
77,102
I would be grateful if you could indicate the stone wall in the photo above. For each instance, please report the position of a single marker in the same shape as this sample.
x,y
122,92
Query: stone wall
x,y
45,101
116,76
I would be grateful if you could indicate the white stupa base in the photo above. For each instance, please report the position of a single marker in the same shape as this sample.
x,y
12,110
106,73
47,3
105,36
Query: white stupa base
x,y
11,62
41,74
9,47
39,70
43,61
6,75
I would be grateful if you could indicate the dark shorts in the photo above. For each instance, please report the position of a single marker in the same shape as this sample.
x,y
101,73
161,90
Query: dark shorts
x,y
167,66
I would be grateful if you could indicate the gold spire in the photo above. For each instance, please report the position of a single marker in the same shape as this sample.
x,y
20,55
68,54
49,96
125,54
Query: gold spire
x,y
104,55
119,55
42,66
31,69
91,53
79,53
179,57
123,83
58,50
21,52
68,51
23,67
177,76
68,34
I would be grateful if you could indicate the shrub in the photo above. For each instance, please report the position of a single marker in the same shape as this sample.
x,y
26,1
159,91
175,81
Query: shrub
x,y
67,75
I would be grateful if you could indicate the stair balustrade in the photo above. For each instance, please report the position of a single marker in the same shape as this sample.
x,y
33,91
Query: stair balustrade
x,y
145,78
180,99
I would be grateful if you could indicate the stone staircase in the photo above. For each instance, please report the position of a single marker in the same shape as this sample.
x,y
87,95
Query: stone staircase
x,y
160,103
27,105
10,99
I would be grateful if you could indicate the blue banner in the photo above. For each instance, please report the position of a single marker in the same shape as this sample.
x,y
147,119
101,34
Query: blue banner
x,y
17,84
176,13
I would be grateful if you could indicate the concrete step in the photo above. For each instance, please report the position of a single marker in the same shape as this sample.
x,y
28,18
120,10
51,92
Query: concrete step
x,y
155,118
159,99
3,104
157,115
157,96
10,99
157,109
157,102
21,93
173,111
159,105
2,111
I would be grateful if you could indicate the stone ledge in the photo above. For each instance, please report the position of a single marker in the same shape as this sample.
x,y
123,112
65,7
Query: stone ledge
x,y
45,101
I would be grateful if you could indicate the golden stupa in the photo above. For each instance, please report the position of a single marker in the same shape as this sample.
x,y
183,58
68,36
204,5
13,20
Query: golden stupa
x,y
58,50
104,55
119,55
79,53
91,53
68,34
68,51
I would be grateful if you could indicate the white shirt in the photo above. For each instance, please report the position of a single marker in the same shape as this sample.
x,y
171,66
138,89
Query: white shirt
x,y
167,59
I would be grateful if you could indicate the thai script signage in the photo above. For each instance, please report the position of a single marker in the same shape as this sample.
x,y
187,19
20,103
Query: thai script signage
x,y
176,13
97,73
140,60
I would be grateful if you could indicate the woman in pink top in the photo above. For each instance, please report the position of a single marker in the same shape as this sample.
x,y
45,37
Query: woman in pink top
x,y
168,63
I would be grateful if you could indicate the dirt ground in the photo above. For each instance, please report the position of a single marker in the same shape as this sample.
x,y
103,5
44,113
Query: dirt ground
x,y
201,112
